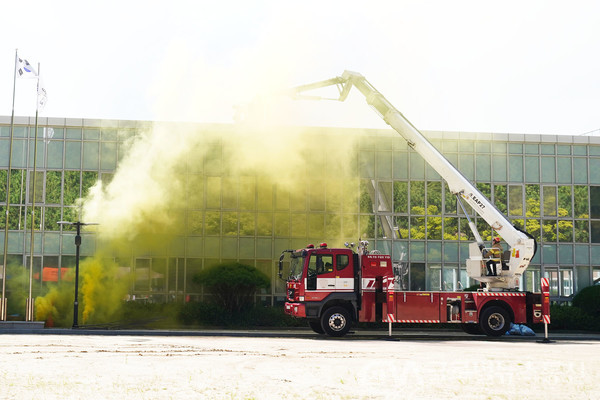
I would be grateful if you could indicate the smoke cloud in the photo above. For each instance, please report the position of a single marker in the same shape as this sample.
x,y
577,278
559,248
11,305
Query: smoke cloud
x,y
261,162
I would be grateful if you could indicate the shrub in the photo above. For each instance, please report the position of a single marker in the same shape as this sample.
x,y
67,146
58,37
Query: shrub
x,y
207,314
232,285
201,313
588,300
473,288
572,318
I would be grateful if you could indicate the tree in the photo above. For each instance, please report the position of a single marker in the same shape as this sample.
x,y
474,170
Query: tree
x,y
232,285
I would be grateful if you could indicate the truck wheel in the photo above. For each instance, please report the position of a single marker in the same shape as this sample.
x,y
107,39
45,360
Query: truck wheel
x,y
315,325
471,329
335,321
494,321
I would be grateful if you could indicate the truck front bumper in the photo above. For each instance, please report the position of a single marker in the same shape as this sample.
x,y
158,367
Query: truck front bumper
x,y
295,310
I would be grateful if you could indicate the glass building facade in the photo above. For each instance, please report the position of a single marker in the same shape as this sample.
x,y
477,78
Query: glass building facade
x,y
547,185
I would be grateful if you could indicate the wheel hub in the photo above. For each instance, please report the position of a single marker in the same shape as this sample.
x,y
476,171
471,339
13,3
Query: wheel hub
x,y
337,322
496,321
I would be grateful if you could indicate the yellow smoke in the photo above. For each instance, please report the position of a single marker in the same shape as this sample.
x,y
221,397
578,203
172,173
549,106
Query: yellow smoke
x,y
103,289
170,166
56,307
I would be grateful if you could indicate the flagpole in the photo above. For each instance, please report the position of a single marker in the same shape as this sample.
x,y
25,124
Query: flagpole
x,y
12,121
30,303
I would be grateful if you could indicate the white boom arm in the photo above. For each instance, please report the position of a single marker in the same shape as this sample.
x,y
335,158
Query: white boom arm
x,y
522,247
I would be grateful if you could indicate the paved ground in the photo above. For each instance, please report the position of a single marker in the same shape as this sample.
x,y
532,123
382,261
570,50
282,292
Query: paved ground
x,y
295,365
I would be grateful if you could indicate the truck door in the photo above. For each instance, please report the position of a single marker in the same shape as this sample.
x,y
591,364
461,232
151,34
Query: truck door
x,y
320,277
321,273
344,275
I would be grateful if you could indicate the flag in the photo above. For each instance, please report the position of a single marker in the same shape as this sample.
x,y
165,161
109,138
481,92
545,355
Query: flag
x,y
25,70
48,134
42,95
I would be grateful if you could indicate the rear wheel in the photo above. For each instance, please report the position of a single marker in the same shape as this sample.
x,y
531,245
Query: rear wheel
x,y
335,321
494,321
315,325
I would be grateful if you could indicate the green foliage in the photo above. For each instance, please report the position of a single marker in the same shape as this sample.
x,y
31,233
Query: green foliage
x,y
150,315
71,187
212,315
572,318
3,173
232,285
588,300
400,197
17,287
17,177
583,315
500,198
89,179
53,187
581,197
473,288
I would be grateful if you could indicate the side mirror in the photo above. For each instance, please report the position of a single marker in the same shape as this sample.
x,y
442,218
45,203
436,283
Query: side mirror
x,y
281,266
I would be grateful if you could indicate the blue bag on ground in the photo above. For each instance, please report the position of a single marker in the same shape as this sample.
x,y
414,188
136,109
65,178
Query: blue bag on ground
x,y
520,330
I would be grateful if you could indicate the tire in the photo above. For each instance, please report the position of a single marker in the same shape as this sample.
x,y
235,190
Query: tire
x,y
494,321
471,329
315,325
335,321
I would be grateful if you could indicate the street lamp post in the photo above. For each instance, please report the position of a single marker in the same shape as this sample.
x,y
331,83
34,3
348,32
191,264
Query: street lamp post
x,y
78,226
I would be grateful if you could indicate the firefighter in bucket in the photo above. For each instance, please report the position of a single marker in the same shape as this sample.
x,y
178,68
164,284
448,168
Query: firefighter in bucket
x,y
494,254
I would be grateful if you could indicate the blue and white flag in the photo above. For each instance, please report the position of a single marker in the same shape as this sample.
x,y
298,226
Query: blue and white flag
x,y
42,95
25,70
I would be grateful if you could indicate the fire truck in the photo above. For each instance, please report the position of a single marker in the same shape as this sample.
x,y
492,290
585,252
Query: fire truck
x,y
334,288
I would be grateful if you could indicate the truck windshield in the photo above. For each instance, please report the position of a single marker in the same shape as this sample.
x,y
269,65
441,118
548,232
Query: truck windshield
x,y
296,263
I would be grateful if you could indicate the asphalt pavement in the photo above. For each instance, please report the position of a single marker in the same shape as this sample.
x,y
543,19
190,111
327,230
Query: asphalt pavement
x,y
398,333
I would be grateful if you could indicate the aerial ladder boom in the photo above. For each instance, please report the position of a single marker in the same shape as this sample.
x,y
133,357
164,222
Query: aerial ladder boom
x,y
522,246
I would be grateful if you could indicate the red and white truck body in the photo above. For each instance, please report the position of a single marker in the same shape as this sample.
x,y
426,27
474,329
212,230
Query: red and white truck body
x,y
334,288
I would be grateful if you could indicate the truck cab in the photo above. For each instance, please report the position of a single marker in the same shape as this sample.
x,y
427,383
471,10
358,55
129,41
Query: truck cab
x,y
333,288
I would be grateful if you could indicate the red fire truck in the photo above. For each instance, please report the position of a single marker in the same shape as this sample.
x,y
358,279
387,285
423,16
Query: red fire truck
x,y
334,288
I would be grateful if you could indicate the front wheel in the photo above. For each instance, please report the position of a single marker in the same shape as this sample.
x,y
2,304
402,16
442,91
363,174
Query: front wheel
x,y
315,325
335,321
494,321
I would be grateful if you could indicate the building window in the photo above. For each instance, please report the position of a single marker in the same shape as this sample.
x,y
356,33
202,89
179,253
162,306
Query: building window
x,y
564,169
532,277
552,275
90,155
532,169
515,168
580,171
595,201
73,155
451,278
595,225
417,166
499,169
596,276
566,282
548,169
435,277
515,200
549,201
581,198
417,276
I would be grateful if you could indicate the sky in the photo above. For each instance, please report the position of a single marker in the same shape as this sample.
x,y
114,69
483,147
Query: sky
x,y
475,66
